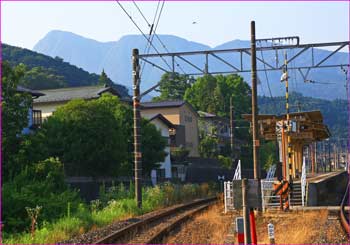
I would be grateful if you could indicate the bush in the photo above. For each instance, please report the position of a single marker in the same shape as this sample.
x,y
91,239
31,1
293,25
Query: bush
x,y
83,219
40,185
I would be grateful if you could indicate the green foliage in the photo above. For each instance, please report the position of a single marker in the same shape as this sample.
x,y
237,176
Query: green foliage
x,y
43,78
94,138
225,162
39,185
83,220
173,86
83,135
15,108
212,94
179,154
267,154
153,144
208,147
103,79
45,72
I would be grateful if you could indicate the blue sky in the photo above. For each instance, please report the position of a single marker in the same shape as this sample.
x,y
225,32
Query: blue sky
x,y
25,23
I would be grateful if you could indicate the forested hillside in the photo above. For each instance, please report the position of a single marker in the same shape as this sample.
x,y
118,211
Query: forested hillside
x,y
44,72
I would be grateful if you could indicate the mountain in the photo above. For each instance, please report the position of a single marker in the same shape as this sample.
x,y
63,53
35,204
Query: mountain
x,y
115,59
45,72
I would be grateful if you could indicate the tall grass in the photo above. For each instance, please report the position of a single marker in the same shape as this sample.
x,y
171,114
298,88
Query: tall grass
x,y
115,204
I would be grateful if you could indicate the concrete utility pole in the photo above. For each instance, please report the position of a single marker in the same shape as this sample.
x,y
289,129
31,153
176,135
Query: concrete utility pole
x,y
231,131
245,207
137,125
256,142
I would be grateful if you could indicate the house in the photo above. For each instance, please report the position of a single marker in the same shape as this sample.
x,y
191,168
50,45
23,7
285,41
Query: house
x,y
165,127
182,115
58,97
215,126
34,116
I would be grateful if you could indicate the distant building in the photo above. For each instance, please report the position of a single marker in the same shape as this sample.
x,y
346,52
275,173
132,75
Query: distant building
x,y
34,116
182,115
165,127
213,125
54,98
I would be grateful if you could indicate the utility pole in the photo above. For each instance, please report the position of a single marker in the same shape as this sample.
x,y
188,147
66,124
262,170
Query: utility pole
x,y
245,207
289,143
231,131
329,156
256,142
137,125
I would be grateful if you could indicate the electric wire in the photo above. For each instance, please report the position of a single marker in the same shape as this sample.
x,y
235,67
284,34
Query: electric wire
x,y
156,35
152,31
267,79
143,34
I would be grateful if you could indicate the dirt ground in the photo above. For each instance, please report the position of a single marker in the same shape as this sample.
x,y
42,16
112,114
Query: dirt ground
x,y
210,227
302,227
297,227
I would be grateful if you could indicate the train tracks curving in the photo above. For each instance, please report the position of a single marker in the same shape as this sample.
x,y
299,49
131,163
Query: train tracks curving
x,y
153,228
344,216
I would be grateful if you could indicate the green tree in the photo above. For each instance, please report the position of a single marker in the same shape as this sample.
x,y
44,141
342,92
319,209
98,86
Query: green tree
x,y
15,108
173,86
208,147
212,94
103,79
94,138
267,154
153,145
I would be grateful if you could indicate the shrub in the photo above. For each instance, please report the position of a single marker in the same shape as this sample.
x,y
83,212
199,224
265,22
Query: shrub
x,y
40,185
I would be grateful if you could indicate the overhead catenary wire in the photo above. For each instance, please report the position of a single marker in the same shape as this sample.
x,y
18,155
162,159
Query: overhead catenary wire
x,y
152,30
143,34
155,34
267,80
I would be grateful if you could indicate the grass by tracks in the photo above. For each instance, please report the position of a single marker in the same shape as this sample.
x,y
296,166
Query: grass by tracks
x,y
116,204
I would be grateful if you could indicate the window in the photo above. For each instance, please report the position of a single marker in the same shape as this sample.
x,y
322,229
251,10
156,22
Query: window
x,y
37,118
160,174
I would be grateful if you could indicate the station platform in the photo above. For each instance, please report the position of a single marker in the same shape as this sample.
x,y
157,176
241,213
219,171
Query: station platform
x,y
326,189
320,177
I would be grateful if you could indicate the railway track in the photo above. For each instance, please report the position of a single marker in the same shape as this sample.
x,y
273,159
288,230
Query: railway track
x,y
152,229
344,215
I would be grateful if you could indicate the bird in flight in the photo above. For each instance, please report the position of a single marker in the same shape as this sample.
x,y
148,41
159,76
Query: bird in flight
x,y
194,22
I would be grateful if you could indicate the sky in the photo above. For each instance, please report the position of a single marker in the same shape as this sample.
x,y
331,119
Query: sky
x,y
23,24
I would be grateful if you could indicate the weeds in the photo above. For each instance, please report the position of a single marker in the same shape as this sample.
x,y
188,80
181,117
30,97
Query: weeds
x,y
115,203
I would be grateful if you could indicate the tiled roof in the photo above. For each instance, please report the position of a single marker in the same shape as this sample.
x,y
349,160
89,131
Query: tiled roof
x,y
30,91
169,103
67,94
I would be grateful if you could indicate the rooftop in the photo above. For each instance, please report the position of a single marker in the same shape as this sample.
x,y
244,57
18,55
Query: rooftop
x,y
30,91
85,92
163,119
168,103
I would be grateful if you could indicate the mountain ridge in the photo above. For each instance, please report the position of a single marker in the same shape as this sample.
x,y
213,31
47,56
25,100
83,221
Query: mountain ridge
x,y
115,58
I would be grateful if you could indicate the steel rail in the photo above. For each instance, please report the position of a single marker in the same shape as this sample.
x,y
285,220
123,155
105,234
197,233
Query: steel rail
x,y
122,234
158,237
344,220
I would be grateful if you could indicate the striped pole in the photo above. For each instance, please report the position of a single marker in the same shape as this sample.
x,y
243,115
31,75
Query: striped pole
x,y
288,119
137,127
